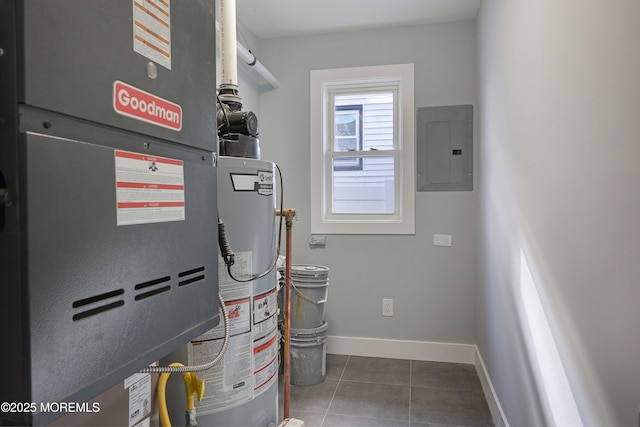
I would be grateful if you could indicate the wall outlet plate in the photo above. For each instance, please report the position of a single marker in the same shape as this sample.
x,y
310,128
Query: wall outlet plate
x,y
387,307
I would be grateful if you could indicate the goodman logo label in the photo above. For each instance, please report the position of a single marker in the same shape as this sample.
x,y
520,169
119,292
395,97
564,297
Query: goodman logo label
x,y
140,105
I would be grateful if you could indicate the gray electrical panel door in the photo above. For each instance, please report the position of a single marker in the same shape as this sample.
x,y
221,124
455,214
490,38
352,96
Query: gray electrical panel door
x,y
445,148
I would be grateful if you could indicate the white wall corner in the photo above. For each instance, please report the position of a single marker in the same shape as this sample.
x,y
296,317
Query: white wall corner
x,y
499,419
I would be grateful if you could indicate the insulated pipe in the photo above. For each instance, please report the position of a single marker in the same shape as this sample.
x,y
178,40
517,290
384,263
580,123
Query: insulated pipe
x,y
229,60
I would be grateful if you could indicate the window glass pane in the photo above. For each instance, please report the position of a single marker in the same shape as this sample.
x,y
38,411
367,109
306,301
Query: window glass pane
x,y
346,144
367,188
368,117
347,123
348,128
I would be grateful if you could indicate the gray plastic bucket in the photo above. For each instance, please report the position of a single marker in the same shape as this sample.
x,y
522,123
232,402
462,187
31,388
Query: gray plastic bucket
x,y
309,291
309,355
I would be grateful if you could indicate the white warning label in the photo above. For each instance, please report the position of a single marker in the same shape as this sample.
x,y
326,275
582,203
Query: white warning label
x,y
229,383
148,189
140,399
265,362
250,365
152,30
265,306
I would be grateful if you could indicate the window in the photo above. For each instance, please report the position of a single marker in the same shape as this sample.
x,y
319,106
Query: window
x,y
362,150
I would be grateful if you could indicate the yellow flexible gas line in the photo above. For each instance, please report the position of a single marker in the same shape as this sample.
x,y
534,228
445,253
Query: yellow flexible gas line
x,y
192,384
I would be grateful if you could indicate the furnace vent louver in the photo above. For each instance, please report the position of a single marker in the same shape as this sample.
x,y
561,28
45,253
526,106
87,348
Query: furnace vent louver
x,y
191,280
102,298
152,292
149,289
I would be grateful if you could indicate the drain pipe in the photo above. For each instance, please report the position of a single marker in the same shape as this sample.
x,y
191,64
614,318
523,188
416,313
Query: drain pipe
x,y
288,214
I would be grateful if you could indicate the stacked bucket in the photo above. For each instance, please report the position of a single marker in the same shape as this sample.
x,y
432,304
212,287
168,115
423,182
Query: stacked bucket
x,y
309,291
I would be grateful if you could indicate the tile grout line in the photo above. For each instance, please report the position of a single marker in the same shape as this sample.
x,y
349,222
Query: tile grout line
x,y
344,368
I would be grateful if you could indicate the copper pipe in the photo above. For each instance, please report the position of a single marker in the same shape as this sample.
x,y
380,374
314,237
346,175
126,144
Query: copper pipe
x,y
288,214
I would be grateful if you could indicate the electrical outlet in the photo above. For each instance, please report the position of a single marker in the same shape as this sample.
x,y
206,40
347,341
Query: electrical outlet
x,y
387,307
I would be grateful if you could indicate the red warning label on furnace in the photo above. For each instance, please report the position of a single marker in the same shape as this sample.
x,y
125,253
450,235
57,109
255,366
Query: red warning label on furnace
x,y
148,188
138,104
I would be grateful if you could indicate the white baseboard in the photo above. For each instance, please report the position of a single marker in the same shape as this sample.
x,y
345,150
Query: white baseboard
x,y
423,350
497,413
402,349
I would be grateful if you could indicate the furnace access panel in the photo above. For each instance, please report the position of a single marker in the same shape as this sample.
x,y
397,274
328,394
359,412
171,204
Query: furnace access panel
x,y
108,224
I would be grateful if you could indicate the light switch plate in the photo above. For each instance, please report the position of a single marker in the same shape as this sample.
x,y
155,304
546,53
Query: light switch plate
x,y
318,240
441,240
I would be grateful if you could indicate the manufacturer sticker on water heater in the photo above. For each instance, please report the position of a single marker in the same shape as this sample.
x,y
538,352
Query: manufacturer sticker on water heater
x,y
260,182
148,188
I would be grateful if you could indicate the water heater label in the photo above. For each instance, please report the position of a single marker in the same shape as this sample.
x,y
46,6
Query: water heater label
x,y
265,362
140,105
250,365
260,182
152,30
148,188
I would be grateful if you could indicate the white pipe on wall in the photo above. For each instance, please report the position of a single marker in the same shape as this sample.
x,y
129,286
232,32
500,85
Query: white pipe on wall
x,y
251,60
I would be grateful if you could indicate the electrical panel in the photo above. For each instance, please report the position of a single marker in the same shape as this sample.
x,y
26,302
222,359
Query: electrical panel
x,y
108,224
445,148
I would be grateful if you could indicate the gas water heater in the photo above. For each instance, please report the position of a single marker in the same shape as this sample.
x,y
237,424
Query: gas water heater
x,y
244,387
108,232
242,390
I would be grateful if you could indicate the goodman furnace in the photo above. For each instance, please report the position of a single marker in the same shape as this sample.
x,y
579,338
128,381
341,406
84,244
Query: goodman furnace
x,y
108,225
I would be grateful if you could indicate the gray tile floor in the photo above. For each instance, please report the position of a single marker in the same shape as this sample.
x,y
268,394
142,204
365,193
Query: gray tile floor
x,y
375,392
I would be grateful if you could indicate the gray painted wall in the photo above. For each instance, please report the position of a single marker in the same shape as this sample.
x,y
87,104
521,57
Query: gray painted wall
x,y
557,181
433,287
559,173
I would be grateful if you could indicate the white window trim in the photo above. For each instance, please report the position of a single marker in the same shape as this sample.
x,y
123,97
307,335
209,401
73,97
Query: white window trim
x,y
320,82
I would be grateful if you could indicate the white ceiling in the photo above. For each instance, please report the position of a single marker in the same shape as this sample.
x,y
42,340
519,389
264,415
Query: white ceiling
x,y
281,18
